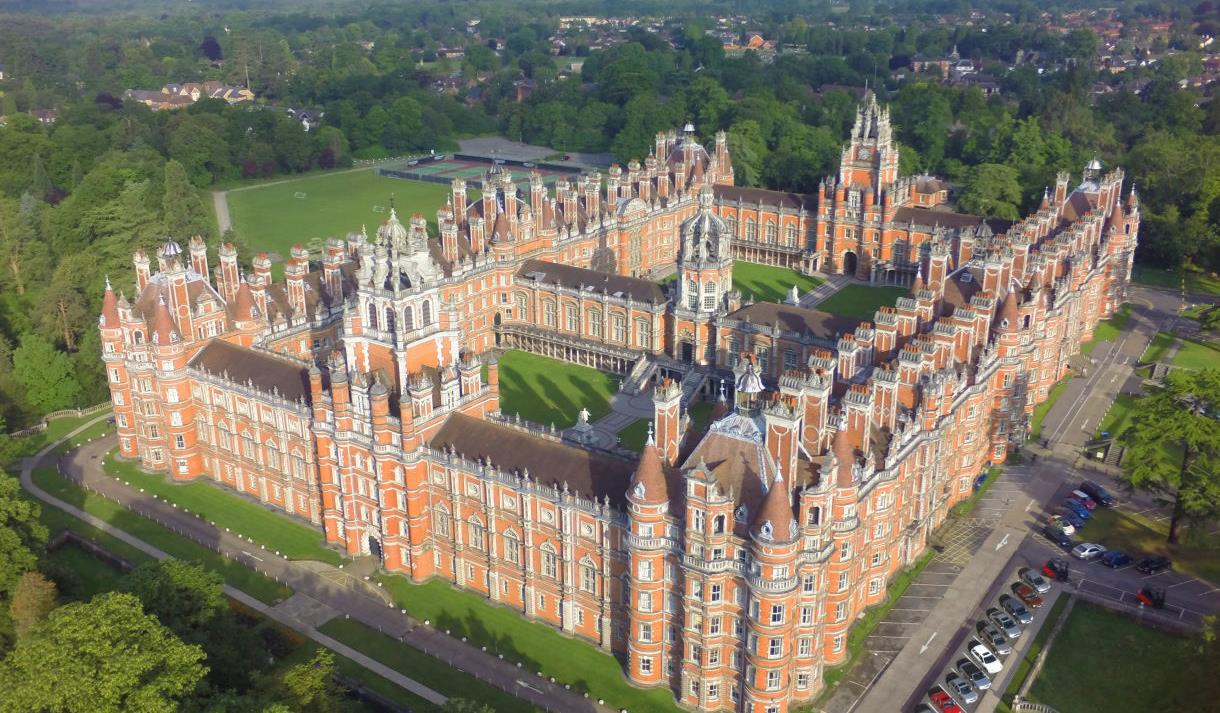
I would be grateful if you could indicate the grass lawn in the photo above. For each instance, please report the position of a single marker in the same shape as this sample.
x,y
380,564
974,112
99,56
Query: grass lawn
x,y
550,391
1031,654
1118,418
280,533
1108,330
861,301
60,427
272,218
1103,662
423,668
1197,355
91,575
1040,411
865,625
537,646
765,283
635,436
256,585
1196,280
1195,554
1158,348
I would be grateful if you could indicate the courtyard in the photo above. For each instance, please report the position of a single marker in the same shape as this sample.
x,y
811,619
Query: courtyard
x,y
765,283
861,301
548,391
275,216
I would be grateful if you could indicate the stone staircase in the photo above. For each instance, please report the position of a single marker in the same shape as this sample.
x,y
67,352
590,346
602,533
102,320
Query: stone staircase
x,y
640,375
691,383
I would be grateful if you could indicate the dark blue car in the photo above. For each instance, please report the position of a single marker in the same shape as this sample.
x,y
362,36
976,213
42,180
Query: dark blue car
x,y
1097,492
1077,508
1071,516
1115,559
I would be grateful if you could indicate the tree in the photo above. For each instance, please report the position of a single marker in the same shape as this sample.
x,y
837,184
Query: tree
x,y
182,211
1174,446
211,48
991,189
101,656
32,600
463,705
308,687
46,374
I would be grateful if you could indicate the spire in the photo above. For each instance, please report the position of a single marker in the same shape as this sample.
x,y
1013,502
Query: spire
x,y
648,486
774,521
110,308
243,305
721,407
163,325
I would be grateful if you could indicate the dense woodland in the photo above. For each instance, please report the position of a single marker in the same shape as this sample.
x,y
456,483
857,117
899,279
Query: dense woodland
x,y
79,195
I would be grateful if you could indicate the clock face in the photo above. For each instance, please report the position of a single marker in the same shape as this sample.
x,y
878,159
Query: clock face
x,y
865,154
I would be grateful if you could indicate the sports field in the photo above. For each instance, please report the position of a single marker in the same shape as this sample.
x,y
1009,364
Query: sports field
x,y
309,210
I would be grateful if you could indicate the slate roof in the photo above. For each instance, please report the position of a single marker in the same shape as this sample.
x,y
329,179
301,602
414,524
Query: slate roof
x,y
579,278
267,372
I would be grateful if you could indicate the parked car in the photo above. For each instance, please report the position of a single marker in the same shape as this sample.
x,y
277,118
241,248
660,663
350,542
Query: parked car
x,y
961,687
1056,568
1027,594
1057,536
984,657
1062,523
1098,493
974,674
943,701
1083,498
1035,580
1016,609
1075,506
1154,565
1004,622
1069,515
992,636
1115,559
1088,551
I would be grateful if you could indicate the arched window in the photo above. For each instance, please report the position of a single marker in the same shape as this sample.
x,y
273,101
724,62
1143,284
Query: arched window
x,y
595,323
425,314
772,232
751,229
692,297
512,547
408,318
548,313
442,521
731,222
643,334
588,576
791,234
478,535
523,307
572,320
709,295
372,316
550,563
389,319
718,525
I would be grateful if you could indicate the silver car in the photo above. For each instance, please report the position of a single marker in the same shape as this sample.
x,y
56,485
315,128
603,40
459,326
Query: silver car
x,y
1016,609
961,687
974,674
991,635
1035,580
1004,623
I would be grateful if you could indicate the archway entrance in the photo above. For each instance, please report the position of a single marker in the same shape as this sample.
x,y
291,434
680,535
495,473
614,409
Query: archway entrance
x,y
688,352
375,548
849,263
495,323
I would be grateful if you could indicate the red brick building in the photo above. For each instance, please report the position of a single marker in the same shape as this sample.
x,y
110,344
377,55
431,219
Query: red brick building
x,y
726,563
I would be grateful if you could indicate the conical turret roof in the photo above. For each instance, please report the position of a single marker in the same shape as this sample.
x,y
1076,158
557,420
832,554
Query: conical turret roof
x,y
774,520
110,308
648,485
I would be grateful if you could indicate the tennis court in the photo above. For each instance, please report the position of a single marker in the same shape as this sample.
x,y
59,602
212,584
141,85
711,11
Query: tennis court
x,y
445,168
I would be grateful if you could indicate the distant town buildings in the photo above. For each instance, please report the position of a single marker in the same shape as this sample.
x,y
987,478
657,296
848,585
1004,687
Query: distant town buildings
x,y
176,96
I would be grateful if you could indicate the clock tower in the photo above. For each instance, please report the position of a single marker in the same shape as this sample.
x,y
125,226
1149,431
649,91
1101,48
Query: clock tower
x,y
870,160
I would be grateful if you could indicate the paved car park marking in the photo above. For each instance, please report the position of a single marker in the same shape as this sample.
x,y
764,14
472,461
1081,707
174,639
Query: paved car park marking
x,y
928,643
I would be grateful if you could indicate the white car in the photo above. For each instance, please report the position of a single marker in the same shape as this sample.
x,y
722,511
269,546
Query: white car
x,y
984,657
1061,523
1088,551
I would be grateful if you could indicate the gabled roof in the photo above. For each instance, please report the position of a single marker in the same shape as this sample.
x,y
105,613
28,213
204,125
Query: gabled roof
x,y
266,372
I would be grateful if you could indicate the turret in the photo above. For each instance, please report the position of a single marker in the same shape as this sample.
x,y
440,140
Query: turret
x,y
199,257
141,263
647,544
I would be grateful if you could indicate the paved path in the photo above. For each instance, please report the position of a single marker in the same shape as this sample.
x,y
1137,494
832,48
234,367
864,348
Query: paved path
x,y
308,582
822,292
220,200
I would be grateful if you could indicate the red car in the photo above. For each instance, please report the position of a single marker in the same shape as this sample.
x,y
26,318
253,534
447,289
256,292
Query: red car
x,y
943,701
1027,594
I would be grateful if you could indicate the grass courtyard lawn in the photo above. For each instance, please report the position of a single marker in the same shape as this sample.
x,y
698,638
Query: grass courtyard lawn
x,y
635,436
1159,347
1031,654
550,391
769,284
256,585
1195,554
1103,662
1196,280
1197,355
861,301
273,218
429,671
279,533
537,646
1108,330
1040,411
